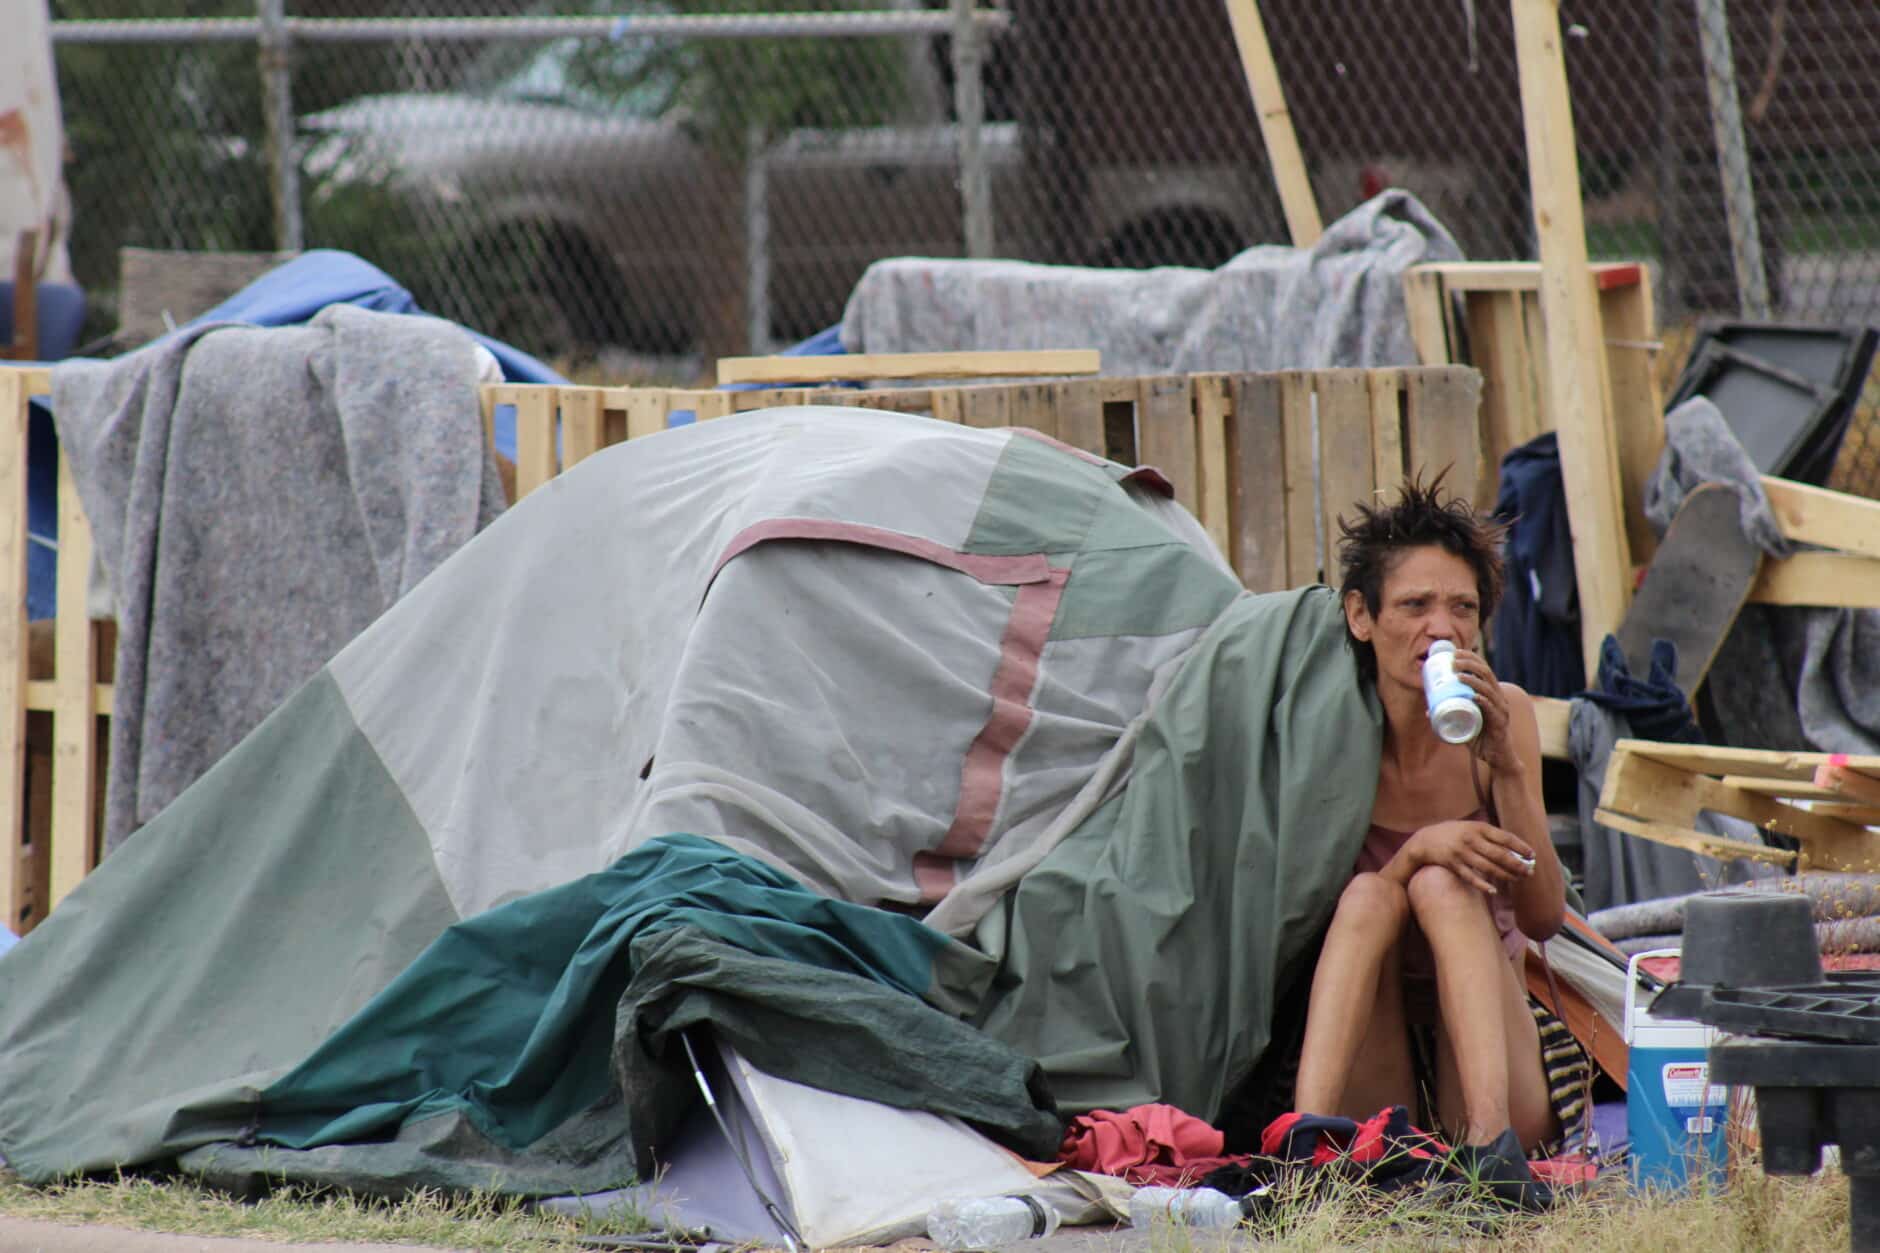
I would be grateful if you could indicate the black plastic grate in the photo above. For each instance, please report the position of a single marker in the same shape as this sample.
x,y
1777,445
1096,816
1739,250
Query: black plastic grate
x,y
1845,1008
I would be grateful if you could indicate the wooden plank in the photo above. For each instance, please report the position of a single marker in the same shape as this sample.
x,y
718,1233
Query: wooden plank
x,y
1651,790
14,409
1693,841
74,725
1788,789
1579,390
535,436
1079,409
1298,415
646,412
989,408
1471,276
1554,716
1033,407
1424,299
1858,815
582,424
949,405
42,697
1761,762
1816,578
1638,410
1443,429
1165,434
1211,410
1276,127
707,405
1817,515
909,365
1256,449
1387,428
1347,465
1498,347
1847,783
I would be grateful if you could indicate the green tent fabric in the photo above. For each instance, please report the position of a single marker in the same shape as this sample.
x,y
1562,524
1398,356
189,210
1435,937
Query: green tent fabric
x,y
1142,958
511,1017
430,923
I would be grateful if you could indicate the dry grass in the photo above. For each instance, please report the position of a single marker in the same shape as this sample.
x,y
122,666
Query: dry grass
x,y
294,1215
1754,1213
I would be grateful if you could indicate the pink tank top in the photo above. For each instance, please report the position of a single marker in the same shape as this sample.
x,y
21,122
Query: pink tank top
x,y
1381,844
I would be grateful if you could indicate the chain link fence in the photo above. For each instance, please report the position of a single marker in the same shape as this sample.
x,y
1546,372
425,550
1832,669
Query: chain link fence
x,y
623,192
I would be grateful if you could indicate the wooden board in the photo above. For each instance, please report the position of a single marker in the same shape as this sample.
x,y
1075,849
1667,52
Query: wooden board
x,y
1165,436
1347,465
14,402
1276,126
1298,415
1079,408
1630,327
1444,432
1817,515
1693,841
1821,579
1578,389
908,365
1257,449
74,726
582,427
1216,481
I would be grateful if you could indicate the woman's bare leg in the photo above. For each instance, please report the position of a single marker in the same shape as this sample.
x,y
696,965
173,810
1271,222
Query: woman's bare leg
x,y
1531,1108
1349,1009
1471,987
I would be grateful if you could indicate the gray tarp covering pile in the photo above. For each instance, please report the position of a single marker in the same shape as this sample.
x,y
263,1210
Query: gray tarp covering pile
x,y
258,497
1338,303
911,667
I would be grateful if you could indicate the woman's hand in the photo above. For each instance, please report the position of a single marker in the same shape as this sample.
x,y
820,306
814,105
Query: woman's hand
x,y
1482,855
1495,744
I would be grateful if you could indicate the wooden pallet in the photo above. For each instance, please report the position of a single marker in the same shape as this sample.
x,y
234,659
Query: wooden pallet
x,y
1824,800
1265,461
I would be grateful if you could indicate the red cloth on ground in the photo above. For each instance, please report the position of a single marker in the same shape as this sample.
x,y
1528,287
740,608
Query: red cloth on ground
x,y
1149,1144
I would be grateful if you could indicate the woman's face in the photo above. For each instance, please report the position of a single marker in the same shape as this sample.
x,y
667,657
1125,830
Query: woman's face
x,y
1429,594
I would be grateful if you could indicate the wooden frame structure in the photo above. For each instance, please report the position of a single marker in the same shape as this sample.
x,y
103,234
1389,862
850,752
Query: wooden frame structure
x,y
1265,461
1657,790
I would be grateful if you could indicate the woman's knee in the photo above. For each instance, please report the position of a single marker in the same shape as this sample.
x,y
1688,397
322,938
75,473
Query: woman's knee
x,y
1439,887
1371,900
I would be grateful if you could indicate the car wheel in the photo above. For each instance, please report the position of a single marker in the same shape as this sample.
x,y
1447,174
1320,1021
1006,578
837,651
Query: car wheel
x,y
544,291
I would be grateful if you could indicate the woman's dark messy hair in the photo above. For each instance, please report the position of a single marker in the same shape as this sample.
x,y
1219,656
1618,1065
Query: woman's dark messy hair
x,y
1423,516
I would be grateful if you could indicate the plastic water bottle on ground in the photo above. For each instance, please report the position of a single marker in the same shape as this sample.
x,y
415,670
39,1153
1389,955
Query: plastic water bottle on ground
x,y
1185,1207
990,1222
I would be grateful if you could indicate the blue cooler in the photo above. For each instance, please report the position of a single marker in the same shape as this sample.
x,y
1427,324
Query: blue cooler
x,y
1675,1116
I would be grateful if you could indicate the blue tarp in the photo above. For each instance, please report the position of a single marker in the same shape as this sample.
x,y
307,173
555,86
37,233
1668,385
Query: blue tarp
x,y
289,294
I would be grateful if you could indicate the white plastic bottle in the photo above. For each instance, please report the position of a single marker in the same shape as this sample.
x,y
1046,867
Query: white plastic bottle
x,y
1186,1207
1453,711
989,1222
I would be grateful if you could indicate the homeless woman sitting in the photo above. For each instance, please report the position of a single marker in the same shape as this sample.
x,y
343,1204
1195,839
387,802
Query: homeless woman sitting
x,y
1456,873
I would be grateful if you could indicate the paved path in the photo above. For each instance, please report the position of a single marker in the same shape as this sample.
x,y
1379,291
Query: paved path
x,y
21,1235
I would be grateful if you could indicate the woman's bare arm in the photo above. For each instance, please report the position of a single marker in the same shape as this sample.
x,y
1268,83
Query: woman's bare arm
x,y
1540,897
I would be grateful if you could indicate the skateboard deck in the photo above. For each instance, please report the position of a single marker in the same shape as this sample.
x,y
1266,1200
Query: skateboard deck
x,y
1695,586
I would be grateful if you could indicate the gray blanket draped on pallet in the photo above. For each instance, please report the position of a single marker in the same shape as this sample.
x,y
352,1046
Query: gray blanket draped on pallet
x,y
258,497
1337,303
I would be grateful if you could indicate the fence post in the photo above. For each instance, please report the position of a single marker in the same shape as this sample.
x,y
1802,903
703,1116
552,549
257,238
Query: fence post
x,y
757,239
275,52
969,102
1739,193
